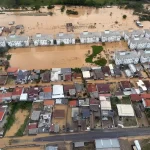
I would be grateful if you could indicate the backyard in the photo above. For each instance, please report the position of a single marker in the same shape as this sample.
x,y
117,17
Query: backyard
x,y
17,119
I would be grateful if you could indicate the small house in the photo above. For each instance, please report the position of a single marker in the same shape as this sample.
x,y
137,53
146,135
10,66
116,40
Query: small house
x,y
103,88
12,71
17,93
45,77
2,41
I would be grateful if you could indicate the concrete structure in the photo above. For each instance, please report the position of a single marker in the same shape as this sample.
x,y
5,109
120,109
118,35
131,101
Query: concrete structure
x,y
18,41
126,57
147,33
144,56
89,37
110,36
55,73
125,110
86,74
58,91
107,144
2,41
133,34
42,39
139,43
65,38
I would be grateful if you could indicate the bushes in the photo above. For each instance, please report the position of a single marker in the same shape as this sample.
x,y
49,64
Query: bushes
x,y
50,6
96,50
62,8
124,16
71,12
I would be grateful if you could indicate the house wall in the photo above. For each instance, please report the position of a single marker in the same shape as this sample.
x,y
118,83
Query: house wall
x,y
65,41
18,43
2,44
43,42
89,40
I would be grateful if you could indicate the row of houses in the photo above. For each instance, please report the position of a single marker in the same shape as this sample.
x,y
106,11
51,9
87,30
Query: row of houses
x,y
132,57
138,39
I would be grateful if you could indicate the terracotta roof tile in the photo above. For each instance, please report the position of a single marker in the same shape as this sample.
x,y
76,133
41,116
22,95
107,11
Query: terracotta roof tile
x,y
73,103
12,70
47,89
49,102
135,97
17,91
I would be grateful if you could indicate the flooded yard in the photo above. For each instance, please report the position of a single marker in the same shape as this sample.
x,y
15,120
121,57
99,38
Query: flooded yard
x,y
20,116
56,56
88,19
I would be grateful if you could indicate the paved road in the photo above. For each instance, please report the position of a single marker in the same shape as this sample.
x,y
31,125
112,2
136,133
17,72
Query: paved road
x,y
88,136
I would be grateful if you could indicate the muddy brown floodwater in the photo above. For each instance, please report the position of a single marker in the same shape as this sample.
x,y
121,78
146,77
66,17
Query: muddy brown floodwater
x,y
56,56
100,18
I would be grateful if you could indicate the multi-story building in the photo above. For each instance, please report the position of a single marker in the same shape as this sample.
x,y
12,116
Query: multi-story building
x,y
89,37
133,34
65,38
147,33
43,40
18,41
126,57
110,36
144,56
138,43
2,41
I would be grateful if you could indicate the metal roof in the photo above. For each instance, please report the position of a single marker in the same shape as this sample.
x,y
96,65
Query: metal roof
x,y
17,38
64,36
102,144
110,33
42,37
2,38
89,34
35,115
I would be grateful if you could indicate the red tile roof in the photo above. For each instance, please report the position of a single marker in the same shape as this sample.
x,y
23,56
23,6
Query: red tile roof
x,y
73,103
68,77
2,113
49,102
12,70
67,87
145,96
125,84
4,95
77,75
91,88
17,91
135,97
94,102
32,126
147,102
59,113
47,89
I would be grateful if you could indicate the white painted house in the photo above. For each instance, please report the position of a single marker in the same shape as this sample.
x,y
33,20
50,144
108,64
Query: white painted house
x,y
144,56
65,38
133,34
126,57
147,33
18,41
2,41
110,36
89,37
138,43
43,39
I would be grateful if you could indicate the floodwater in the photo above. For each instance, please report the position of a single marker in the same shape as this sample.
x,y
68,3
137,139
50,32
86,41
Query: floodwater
x,y
89,19
56,56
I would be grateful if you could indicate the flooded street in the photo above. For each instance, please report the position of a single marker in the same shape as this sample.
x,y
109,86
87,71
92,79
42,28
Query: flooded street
x,y
99,18
56,56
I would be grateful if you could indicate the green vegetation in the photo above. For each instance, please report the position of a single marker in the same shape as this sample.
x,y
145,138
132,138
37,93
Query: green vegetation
x,y
145,144
129,121
8,57
124,16
77,70
50,6
36,7
71,12
95,51
4,50
62,8
126,100
14,107
62,44
114,102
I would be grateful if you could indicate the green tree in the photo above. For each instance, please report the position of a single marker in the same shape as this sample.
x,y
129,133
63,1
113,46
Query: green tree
x,y
37,7
124,16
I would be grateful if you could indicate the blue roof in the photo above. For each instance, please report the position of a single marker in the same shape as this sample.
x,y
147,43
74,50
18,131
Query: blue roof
x,y
86,113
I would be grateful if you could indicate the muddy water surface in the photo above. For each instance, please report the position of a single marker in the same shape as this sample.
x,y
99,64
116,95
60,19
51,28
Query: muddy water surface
x,y
99,18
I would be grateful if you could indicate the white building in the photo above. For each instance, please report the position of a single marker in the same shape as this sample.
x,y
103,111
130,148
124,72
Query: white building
x,y
55,74
147,33
144,56
133,34
138,43
86,74
2,41
42,39
126,57
89,37
18,41
110,36
65,38
58,91
125,110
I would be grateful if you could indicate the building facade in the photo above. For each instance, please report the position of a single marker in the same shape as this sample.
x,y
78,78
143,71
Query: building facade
x,y
126,57
18,41
64,38
110,36
43,40
89,37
